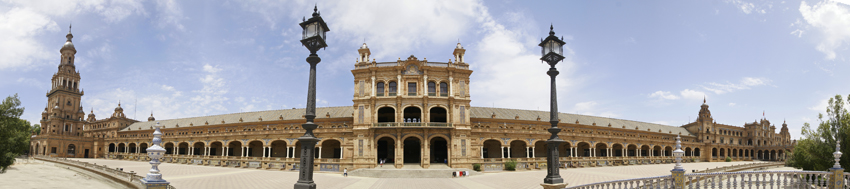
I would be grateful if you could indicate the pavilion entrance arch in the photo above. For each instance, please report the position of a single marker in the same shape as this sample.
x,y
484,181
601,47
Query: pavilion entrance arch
x,y
35,151
234,148
438,115
297,152
722,153
438,150
583,149
412,114
492,148
656,151
143,148
132,148
713,152
386,114
386,150
254,149
183,148
278,149
111,147
644,150
169,148
121,147
518,149
688,151
759,156
617,150
600,150
540,149
696,152
197,148
330,148
632,150
216,148
668,151
71,151
412,150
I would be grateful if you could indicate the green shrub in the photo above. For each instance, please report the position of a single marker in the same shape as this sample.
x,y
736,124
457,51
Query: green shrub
x,y
476,167
728,159
510,165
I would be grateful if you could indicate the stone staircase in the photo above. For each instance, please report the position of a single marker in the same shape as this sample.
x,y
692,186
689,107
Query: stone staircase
x,y
409,171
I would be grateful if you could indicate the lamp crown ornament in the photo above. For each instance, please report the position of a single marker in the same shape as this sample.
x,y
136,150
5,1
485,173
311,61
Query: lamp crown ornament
x,y
837,154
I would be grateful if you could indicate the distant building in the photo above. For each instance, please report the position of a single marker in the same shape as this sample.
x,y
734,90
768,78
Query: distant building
x,y
409,112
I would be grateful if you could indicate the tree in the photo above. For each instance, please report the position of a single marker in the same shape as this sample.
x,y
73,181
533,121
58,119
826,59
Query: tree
x,y
14,132
36,129
814,150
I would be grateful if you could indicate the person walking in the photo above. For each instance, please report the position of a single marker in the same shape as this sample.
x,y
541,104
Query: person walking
x,y
345,172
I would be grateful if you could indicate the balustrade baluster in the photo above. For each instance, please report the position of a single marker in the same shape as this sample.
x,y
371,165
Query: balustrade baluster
x,y
809,180
750,182
712,181
698,180
784,179
734,181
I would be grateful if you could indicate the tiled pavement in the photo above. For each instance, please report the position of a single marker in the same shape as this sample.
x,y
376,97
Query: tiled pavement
x,y
195,176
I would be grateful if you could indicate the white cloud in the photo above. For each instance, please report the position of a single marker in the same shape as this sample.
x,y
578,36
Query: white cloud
x,y
693,94
212,95
663,95
170,14
25,21
19,28
832,20
821,106
732,104
746,7
744,83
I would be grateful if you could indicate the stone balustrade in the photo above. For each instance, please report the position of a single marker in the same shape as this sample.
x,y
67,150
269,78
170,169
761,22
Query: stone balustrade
x,y
745,179
129,178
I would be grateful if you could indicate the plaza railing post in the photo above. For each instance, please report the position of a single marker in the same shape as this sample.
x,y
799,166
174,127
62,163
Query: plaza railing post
x,y
154,180
837,172
678,171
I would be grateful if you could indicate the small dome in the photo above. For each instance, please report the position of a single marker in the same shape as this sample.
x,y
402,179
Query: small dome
x,y
45,110
68,45
458,46
151,118
119,108
364,46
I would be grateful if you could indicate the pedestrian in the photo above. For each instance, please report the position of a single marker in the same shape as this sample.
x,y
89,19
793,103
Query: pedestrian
x,y
345,172
382,162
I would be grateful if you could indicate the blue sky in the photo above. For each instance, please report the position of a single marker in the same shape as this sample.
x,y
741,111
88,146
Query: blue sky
x,y
651,61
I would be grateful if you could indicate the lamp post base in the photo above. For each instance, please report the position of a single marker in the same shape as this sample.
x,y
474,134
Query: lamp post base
x,y
160,184
310,185
554,186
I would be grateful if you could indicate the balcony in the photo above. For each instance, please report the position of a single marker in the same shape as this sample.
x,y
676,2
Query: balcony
x,y
417,124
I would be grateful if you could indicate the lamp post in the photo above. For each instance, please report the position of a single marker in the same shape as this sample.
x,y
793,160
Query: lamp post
x,y
552,54
154,178
314,39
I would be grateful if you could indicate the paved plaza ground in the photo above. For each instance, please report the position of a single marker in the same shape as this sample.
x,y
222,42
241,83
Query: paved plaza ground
x,y
195,176
39,174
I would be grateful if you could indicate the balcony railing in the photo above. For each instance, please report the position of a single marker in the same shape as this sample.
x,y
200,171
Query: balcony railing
x,y
415,124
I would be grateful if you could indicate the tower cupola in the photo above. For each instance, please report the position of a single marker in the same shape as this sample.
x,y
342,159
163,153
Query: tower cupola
x,y
458,53
364,53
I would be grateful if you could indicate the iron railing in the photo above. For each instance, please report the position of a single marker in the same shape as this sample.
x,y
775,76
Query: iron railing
x,y
413,124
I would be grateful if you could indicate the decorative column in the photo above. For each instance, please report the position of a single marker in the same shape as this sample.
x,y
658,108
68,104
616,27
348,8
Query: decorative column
x,y
503,152
154,178
532,152
526,152
509,152
481,152
678,171
320,152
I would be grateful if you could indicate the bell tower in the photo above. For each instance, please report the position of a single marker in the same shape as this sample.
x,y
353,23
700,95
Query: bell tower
x,y
364,53
64,114
459,52
706,123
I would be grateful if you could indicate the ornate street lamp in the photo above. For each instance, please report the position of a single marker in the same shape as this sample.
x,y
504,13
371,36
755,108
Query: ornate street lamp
x,y
314,39
154,178
553,53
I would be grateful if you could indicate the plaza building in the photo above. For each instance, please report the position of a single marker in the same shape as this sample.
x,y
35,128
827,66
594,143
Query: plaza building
x,y
408,112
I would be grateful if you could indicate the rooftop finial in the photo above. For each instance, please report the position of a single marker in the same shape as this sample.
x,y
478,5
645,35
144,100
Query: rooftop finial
x,y
551,29
703,99
316,10
69,36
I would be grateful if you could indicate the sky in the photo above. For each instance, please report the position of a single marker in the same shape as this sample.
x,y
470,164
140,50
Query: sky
x,y
650,61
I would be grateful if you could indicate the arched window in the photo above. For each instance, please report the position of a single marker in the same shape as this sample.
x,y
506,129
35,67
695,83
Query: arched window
x,y
444,89
393,87
432,88
380,89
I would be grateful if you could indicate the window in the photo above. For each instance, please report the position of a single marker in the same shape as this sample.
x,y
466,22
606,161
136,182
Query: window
x,y
432,89
444,89
392,88
53,150
411,89
380,89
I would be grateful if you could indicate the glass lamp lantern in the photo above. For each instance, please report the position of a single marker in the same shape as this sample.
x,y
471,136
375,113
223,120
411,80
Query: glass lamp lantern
x,y
314,29
552,48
